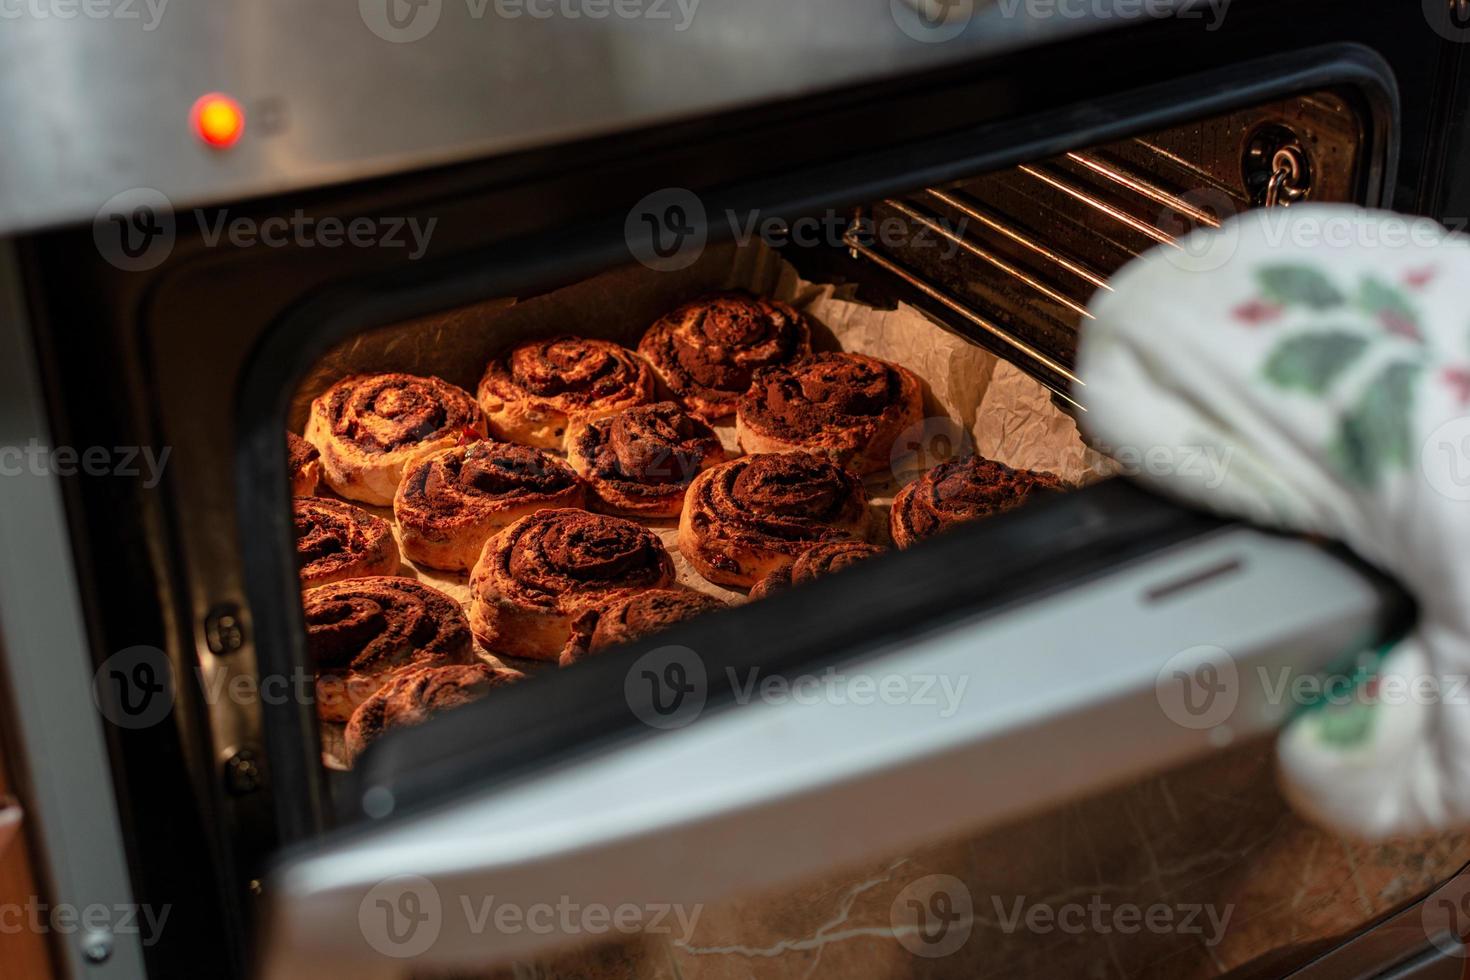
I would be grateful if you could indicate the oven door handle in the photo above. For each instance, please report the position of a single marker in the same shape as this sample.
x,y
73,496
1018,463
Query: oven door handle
x,y
982,719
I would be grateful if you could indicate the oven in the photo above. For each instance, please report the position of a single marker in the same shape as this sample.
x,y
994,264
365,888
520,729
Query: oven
x,y
945,188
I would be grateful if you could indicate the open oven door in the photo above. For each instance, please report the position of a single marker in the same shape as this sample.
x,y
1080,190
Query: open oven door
x,y
1075,643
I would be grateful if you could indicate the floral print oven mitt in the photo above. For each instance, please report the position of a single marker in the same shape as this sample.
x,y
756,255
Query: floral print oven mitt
x,y
1326,349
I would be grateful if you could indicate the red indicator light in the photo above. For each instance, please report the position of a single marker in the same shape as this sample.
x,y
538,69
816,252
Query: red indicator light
x,y
217,119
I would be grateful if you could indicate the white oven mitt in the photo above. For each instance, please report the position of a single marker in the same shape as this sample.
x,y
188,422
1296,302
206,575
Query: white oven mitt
x,y
1323,353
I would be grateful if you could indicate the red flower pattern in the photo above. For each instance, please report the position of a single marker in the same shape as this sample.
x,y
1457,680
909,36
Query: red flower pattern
x,y
1458,378
1419,278
1256,312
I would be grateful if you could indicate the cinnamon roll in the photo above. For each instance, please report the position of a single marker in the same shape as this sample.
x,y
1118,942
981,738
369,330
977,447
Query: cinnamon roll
x,y
814,563
536,576
961,490
749,517
848,407
360,630
367,427
531,393
413,695
452,500
633,616
641,460
304,465
706,351
336,540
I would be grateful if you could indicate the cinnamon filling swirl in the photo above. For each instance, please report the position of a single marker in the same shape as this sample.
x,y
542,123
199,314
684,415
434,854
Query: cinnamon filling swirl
x,y
531,393
632,617
381,413
847,406
335,541
961,490
359,629
642,459
538,574
367,427
416,694
707,351
558,554
452,500
744,518
821,560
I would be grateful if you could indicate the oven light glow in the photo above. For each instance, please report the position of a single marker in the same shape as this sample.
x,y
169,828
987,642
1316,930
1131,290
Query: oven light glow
x,y
217,119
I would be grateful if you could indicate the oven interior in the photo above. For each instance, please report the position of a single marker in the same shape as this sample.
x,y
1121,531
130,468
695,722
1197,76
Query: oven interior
x,y
978,285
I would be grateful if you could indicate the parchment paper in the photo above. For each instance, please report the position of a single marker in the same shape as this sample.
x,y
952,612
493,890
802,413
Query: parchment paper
x,y
969,393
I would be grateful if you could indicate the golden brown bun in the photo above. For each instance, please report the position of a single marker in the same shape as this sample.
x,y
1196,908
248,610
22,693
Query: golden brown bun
x,y
958,491
706,351
360,630
749,517
369,426
337,540
413,695
633,616
304,465
452,500
640,461
536,576
848,407
826,558
531,394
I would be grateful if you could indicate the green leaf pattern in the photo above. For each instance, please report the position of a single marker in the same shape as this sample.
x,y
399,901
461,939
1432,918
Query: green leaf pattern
x,y
1312,361
1298,285
1375,434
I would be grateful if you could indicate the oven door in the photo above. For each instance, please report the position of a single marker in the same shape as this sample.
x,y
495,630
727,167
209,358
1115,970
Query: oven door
x,y
1056,650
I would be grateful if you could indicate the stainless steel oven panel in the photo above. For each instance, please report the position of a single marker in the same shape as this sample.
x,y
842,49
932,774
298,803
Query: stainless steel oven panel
x,y
47,672
95,106
763,792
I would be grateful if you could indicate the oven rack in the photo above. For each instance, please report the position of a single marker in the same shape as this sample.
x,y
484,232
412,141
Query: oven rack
x,y
1024,292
